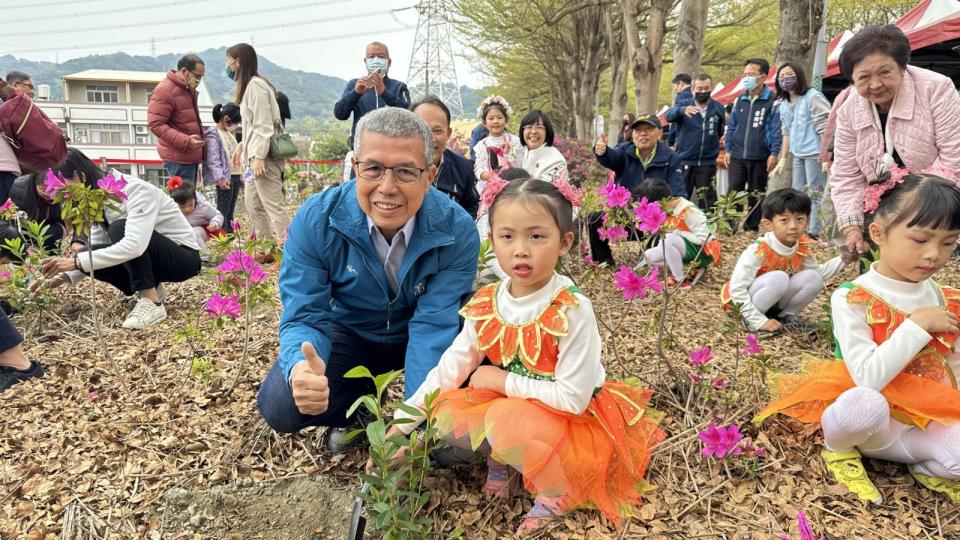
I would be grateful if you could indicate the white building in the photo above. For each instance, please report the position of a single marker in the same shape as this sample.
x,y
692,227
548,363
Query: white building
x,y
104,113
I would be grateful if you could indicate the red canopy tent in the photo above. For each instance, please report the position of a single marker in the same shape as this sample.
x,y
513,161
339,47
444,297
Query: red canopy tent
x,y
933,28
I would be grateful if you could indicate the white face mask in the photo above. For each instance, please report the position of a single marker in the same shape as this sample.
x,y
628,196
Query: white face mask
x,y
377,63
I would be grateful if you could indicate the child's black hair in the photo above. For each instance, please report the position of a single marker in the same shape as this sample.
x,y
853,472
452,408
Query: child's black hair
x,y
545,193
515,173
785,200
654,189
229,110
184,194
490,106
926,200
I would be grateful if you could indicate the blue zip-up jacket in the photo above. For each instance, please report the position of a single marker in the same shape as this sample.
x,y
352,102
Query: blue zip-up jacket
x,y
698,136
622,160
754,128
683,96
395,94
331,275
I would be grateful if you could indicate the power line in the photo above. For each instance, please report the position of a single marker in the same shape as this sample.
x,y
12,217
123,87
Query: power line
x,y
44,4
339,36
97,46
112,11
174,21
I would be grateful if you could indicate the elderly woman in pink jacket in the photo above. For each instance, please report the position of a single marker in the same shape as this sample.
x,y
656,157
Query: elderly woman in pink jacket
x,y
899,115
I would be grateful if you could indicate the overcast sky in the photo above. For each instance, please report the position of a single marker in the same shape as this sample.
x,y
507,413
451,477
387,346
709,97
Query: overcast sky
x,y
322,36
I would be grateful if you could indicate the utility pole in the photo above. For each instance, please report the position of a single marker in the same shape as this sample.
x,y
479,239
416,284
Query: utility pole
x,y
432,70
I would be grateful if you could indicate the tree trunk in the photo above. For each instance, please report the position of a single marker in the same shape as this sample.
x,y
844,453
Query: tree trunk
x,y
647,58
589,50
690,34
797,40
619,68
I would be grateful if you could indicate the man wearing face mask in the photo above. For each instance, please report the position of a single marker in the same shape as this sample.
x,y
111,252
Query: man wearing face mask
x,y
698,123
682,92
372,91
174,118
753,137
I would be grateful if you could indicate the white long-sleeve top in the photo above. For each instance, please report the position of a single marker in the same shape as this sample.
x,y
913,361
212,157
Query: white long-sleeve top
x,y
695,220
872,365
749,263
578,370
481,162
147,209
544,162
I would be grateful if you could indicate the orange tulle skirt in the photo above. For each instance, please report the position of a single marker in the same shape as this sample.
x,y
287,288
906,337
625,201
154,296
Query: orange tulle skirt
x,y
596,459
913,400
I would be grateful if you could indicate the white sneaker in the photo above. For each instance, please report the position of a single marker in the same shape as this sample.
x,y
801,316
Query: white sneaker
x,y
144,314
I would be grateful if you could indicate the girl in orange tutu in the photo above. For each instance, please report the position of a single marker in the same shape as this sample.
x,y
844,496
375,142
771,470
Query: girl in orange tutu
x,y
894,394
541,408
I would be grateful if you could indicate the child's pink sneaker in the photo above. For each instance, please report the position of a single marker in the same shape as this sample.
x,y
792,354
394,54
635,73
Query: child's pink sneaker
x,y
544,510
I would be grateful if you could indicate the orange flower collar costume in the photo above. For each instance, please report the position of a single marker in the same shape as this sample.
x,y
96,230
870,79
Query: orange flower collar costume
x,y
594,458
772,261
926,390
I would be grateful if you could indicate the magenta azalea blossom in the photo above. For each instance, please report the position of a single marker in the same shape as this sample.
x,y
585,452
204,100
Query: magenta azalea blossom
x,y
630,283
758,452
235,225
753,346
223,306
618,197
694,377
719,383
700,357
806,532
607,189
652,281
237,261
54,183
649,216
113,185
720,442
588,260
6,206
613,234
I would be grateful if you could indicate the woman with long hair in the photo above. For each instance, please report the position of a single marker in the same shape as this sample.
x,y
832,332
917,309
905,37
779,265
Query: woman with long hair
x,y
260,115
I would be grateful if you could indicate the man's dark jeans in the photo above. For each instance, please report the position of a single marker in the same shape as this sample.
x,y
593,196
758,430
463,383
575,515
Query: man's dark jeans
x,y
750,175
699,180
183,170
275,399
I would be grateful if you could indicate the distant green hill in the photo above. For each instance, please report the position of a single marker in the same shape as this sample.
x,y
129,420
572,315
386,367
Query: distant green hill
x,y
312,95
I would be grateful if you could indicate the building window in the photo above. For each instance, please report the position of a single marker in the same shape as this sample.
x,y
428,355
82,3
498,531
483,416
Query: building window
x,y
104,133
103,94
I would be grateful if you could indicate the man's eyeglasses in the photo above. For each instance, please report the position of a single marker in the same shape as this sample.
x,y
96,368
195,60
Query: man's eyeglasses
x,y
402,175
195,76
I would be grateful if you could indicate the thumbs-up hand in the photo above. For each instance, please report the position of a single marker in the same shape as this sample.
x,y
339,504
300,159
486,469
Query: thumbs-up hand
x,y
601,147
309,382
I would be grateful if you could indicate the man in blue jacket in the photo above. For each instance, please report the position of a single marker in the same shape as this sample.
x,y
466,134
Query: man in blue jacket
x,y
698,123
374,272
682,92
373,91
455,176
645,156
753,137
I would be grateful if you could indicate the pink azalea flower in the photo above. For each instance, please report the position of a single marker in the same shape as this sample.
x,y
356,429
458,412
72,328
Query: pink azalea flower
x,y
223,306
694,377
720,442
243,263
54,183
588,260
6,206
630,283
619,196
719,383
235,225
607,189
700,357
5,276
806,532
758,451
649,216
753,346
613,234
652,281
113,185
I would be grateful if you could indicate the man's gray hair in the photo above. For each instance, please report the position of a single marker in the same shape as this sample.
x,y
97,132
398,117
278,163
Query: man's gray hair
x,y
395,122
16,77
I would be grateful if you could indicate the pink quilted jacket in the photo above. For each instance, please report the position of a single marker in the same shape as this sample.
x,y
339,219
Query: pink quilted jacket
x,y
925,121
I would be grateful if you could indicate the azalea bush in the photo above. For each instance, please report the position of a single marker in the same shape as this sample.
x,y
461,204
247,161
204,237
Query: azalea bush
x,y
22,286
309,179
582,165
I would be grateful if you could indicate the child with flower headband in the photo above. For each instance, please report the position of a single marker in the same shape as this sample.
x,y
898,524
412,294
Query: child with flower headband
x,y
205,219
689,240
778,275
540,407
893,395
499,149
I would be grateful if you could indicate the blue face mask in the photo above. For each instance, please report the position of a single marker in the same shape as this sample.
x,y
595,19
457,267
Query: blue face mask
x,y
749,83
377,63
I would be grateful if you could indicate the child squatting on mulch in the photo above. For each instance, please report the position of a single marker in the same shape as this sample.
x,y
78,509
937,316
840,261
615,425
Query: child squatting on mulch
x,y
892,394
541,408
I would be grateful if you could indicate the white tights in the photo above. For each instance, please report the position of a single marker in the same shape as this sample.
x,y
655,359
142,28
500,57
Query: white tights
x,y
791,293
674,248
860,418
201,234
